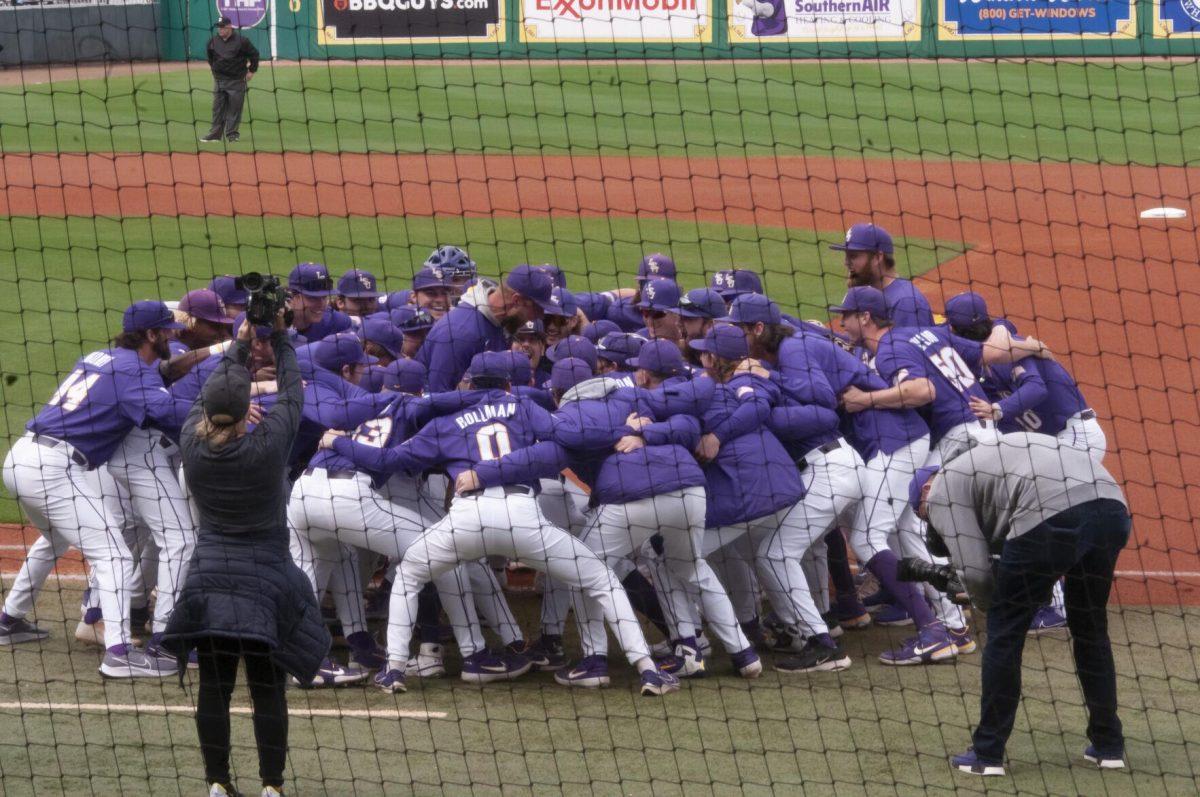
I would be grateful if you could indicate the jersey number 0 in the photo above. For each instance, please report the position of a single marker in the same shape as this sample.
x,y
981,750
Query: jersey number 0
x,y
493,441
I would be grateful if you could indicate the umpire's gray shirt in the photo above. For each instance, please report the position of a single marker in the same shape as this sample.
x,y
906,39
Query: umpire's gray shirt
x,y
999,491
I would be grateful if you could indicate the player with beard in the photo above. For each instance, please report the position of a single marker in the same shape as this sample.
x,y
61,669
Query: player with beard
x,y
311,287
698,309
870,262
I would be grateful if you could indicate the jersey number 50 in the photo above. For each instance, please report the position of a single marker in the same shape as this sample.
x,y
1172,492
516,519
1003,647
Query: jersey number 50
x,y
953,367
493,441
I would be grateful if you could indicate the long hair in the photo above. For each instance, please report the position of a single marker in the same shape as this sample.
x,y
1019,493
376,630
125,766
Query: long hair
x,y
130,340
722,369
217,435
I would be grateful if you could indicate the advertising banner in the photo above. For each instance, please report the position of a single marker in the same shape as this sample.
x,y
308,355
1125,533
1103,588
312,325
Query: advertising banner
x,y
825,20
243,13
608,21
1176,18
1036,19
409,21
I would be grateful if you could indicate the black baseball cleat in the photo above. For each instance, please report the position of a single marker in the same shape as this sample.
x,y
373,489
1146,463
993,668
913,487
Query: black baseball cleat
x,y
817,656
233,138
209,139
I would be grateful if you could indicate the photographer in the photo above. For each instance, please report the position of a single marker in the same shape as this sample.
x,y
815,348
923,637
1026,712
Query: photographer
x,y
244,598
1016,515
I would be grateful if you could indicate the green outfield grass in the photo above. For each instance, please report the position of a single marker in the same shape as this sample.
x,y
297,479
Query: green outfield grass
x,y
872,730
1122,112
64,282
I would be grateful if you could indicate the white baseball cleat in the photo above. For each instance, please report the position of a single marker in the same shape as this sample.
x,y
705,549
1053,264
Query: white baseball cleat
x,y
430,662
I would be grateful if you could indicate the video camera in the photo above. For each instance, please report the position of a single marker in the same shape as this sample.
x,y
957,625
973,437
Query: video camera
x,y
943,578
267,298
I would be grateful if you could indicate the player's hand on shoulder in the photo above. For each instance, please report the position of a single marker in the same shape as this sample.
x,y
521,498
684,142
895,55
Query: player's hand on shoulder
x,y
753,367
855,400
467,481
638,422
629,443
708,448
254,413
330,436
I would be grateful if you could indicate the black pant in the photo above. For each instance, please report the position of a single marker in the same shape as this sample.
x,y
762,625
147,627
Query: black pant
x,y
1082,544
268,692
229,94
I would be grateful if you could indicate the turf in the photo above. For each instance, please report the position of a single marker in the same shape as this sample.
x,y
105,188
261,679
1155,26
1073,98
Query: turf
x,y
64,282
869,730
1112,112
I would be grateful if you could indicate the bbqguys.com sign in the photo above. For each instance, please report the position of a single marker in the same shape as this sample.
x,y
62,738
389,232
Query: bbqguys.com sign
x,y
347,21
616,20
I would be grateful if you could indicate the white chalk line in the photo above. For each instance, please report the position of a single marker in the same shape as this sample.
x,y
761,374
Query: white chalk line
x,y
295,711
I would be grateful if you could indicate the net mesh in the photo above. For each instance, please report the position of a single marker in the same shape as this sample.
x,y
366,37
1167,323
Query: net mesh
x,y
1044,161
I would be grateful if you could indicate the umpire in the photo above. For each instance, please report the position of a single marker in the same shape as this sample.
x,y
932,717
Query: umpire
x,y
244,599
1016,515
233,60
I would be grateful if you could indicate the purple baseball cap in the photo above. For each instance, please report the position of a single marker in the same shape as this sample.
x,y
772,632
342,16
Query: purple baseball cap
x,y
225,286
535,328
148,314
920,479
534,285
261,331
405,376
491,365
569,372
596,330
410,319
574,346
724,341
380,329
358,284
966,309
753,308
310,279
735,282
564,303
702,303
866,238
863,299
660,294
620,347
553,272
431,277
522,368
205,305
337,351
397,299
656,266
658,356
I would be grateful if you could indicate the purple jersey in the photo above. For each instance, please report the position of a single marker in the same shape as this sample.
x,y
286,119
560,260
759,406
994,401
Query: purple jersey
x,y
774,25
457,337
906,305
331,322
496,426
870,431
946,360
108,393
187,387
1034,395
752,474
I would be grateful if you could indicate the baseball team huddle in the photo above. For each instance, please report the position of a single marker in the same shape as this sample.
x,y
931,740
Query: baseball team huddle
x,y
692,460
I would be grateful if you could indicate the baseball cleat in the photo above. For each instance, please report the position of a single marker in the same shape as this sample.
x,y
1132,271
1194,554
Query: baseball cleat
x,y
831,622
1047,619
391,681
932,644
331,674
1104,760
365,651
788,641
686,661
969,762
819,655
485,667
209,139
747,662
893,616
851,613
547,654
15,630
223,790
964,643
656,683
234,138
430,662
126,661
268,791
590,673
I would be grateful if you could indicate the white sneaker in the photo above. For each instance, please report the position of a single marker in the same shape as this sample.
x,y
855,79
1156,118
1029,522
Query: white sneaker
x,y
428,663
219,790
134,664
271,791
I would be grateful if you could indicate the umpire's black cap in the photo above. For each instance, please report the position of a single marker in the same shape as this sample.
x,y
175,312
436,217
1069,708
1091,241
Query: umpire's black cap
x,y
224,22
227,394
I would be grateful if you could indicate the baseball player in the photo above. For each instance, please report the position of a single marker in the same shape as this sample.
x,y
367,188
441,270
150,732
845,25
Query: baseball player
x,y
414,324
107,394
620,306
594,330
455,264
495,515
432,291
311,286
530,340
659,306
480,321
206,320
870,262
614,352
381,339
734,282
570,321
357,294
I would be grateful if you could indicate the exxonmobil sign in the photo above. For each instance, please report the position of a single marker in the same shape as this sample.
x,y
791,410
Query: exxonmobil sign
x,y
578,9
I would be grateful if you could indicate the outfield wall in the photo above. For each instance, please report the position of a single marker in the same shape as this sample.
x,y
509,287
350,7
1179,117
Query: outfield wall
x,y
72,34
329,29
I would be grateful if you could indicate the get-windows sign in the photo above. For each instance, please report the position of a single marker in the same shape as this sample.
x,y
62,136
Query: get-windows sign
x,y
616,21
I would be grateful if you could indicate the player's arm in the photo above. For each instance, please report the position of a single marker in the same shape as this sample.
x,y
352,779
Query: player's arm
x,y
911,387
419,453
543,460
179,365
1002,347
793,421
679,430
806,385
571,428
283,419
1029,390
755,398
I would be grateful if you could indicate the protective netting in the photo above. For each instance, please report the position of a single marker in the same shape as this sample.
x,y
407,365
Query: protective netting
x,y
688,155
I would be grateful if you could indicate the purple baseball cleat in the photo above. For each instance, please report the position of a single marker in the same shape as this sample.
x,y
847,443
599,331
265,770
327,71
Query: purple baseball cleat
x,y
485,667
1104,760
590,673
969,762
932,644
656,683
1047,619
391,681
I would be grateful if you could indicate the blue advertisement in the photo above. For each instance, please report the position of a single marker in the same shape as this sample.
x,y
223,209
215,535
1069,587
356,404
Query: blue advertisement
x,y
1038,18
1178,16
